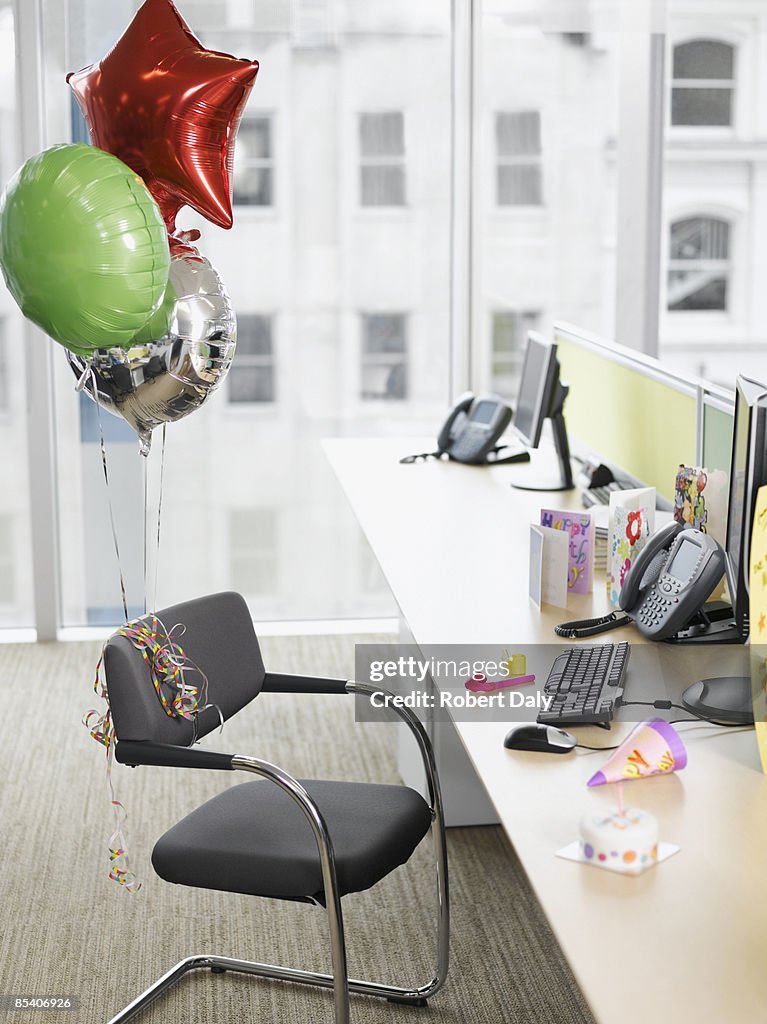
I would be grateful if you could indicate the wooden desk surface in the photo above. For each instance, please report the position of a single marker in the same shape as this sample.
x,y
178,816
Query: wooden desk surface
x,y
685,941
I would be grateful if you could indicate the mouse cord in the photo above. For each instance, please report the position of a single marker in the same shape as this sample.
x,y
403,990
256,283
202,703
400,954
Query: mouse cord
x,y
674,721
665,705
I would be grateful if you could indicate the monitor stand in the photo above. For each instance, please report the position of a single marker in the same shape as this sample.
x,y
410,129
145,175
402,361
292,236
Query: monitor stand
x,y
724,700
565,481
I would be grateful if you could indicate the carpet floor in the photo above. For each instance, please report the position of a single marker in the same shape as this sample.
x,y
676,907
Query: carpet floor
x,y
65,929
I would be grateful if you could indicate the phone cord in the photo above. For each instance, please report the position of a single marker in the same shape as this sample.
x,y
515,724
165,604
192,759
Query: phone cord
x,y
579,628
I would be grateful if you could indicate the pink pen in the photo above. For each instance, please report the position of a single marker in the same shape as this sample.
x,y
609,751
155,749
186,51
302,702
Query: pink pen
x,y
479,683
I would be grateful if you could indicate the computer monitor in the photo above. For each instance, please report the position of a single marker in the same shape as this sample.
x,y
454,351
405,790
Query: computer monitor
x,y
728,699
542,395
748,472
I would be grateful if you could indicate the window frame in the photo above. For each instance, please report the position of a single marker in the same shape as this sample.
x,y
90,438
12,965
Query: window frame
x,y
685,324
258,163
376,402
534,160
243,361
380,161
716,34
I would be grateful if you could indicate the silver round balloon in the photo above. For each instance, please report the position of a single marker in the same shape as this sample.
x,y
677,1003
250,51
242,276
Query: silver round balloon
x,y
177,361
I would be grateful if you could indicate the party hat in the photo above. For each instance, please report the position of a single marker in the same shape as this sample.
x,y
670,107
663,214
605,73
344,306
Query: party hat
x,y
652,748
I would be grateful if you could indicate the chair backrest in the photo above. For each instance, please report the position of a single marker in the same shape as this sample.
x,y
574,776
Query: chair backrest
x,y
219,639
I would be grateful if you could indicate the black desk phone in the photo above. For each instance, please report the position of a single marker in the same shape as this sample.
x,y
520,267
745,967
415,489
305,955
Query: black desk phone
x,y
471,431
666,587
673,576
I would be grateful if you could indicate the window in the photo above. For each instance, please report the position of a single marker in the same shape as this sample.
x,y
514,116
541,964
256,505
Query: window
x,y
252,374
253,183
254,554
508,348
703,83
384,356
382,159
518,152
699,264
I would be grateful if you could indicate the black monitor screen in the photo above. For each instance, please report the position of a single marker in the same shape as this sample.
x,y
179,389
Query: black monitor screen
x,y
748,472
533,390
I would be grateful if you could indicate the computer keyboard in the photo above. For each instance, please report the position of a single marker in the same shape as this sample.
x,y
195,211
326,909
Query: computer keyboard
x,y
601,495
586,684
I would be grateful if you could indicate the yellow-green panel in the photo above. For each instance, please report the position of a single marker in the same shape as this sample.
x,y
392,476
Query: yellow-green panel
x,y
626,417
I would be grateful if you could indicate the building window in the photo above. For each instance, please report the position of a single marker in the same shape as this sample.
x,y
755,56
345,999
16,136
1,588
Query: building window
x,y
252,374
384,356
519,159
509,341
699,264
703,84
254,554
382,159
253,183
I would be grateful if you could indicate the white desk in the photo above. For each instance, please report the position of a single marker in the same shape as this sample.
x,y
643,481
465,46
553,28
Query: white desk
x,y
684,942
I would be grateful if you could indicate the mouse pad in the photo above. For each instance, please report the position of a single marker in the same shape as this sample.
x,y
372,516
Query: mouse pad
x,y
573,852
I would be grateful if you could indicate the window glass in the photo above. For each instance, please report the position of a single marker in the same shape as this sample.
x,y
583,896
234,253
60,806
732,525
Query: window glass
x,y
253,183
343,317
384,356
16,596
545,178
382,159
714,195
252,376
703,83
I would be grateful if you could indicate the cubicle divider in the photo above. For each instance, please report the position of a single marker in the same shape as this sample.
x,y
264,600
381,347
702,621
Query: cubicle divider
x,y
628,409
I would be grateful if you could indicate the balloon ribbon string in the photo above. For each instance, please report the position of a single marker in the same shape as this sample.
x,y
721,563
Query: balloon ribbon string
x,y
146,524
159,513
109,494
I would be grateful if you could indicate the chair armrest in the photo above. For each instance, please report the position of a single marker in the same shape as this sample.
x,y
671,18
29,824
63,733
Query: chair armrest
x,y
168,755
413,722
283,682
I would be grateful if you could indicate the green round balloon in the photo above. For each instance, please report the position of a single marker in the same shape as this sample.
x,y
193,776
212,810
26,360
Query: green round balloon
x,y
83,247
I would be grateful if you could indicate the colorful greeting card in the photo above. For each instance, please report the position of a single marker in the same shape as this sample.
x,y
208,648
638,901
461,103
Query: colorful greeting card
x,y
580,529
630,531
700,500
758,618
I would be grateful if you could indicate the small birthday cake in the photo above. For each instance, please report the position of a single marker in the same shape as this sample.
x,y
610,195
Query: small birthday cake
x,y
627,843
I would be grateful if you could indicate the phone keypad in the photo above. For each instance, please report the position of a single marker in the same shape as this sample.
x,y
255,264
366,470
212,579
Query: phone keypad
x,y
659,603
469,444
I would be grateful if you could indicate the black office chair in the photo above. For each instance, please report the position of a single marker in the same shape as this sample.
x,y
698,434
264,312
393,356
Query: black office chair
x,y
310,841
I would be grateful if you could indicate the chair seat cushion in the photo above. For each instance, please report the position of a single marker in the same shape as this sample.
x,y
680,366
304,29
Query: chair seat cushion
x,y
254,838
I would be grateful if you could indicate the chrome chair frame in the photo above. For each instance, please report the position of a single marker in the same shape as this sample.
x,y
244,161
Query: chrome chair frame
x,y
339,980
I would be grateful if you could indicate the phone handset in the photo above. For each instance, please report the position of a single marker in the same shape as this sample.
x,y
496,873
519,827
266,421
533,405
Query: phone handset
x,y
647,566
455,422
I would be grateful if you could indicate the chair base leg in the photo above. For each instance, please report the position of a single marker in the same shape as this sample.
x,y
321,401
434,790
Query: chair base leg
x,y
223,964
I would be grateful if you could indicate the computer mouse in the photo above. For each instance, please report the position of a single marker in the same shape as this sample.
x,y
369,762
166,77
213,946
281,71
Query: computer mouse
x,y
540,737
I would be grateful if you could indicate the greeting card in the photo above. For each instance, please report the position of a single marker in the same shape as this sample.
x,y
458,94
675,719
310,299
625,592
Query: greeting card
x,y
700,500
629,535
758,619
579,527
548,566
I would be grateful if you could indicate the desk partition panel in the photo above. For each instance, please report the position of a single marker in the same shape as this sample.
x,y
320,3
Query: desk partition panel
x,y
629,410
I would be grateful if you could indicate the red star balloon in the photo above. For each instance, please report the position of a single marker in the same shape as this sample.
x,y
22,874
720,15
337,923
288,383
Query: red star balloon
x,y
169,109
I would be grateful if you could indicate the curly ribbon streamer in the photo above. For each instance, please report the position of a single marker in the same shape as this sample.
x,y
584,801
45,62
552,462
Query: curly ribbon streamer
x,y
168,665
